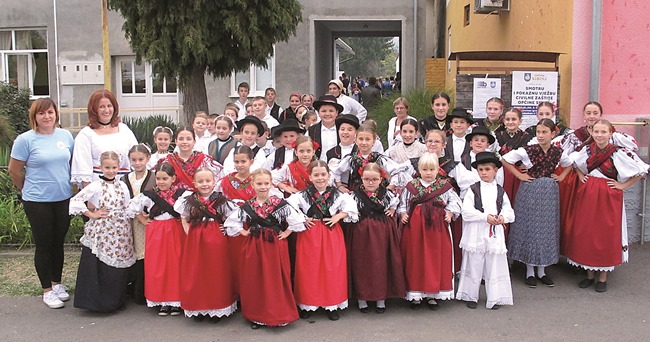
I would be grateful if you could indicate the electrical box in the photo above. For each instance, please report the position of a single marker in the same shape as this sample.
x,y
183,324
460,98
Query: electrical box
x,y
72,73
491,6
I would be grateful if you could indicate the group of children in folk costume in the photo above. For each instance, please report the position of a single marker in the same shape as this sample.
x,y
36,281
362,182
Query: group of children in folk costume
x,y
254,261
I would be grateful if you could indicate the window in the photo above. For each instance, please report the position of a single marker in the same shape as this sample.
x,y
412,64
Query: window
x,y
466,14
259,78
24,60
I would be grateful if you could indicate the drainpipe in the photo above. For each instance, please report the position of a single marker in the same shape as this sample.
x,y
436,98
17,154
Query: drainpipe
x,y
415,42
56,60
596,23
105,47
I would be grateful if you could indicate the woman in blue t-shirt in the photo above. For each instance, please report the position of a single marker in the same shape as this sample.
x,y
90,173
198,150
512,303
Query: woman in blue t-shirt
x,y
44,153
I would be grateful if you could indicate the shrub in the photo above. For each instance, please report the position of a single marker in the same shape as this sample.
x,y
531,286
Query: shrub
x,y
14,105
143,127
419,107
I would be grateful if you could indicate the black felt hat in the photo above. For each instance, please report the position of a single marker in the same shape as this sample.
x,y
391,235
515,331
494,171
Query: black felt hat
x,y
290,125
486,157
251,119
480,130
348,119
461,113
328,100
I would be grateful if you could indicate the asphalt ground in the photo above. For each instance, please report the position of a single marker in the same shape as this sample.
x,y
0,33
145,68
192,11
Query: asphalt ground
x,y
561,313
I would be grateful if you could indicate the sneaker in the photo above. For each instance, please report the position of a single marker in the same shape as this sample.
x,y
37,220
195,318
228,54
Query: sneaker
x,y
531,282
61,292
546,281
164,310
175,311
52,300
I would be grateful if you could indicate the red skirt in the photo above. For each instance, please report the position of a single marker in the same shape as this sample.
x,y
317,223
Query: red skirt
x,y
235,245
265,281
595,239
162,265
376,262
206,270
568,192
510,185
321,267
427,254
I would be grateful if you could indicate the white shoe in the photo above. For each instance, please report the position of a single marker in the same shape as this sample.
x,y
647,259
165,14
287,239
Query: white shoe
x,y
50,299
60,292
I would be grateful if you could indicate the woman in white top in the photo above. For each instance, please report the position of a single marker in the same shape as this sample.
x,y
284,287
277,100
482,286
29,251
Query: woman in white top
x,y
401,110
104,133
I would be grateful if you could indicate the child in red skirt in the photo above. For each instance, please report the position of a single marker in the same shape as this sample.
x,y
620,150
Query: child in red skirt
x,y
426,208
321,277
375,259
265,272
163,241
207,288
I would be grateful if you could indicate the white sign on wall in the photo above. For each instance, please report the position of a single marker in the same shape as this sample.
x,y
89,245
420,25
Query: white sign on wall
x,y
529,88
484,89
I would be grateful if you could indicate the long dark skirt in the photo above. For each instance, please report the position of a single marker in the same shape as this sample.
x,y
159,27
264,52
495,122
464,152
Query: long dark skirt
x,y
100,287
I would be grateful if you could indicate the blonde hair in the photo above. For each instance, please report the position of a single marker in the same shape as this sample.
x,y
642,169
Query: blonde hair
x,y
401,100
109,155
441,134
369,127
201,114
260,172
202,169
428,160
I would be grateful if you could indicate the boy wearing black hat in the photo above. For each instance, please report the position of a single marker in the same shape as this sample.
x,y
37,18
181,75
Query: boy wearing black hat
x,y
288,131
486,208
324,132
346,126
479,140
457,146
251,129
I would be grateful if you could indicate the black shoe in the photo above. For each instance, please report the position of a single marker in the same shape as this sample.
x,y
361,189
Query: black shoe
x,y
215,319
585,283
175,311
495,307
433,306
601,286
198,318
472,305
164,310
364,310
255,326
546,281
531,282
380,310
333,315
304,314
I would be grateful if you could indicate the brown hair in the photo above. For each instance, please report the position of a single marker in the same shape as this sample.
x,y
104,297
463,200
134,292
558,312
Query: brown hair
x,y
606,123
301,140
93,107
514,110
109,155
440,134
318,163
40,106
403,101
374,167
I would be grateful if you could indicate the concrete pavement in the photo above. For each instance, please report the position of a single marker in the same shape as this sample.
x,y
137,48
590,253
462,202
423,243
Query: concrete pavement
x,y
562,313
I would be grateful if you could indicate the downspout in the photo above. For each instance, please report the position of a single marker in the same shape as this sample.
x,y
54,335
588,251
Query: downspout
x,y
415,43
594,74
56,60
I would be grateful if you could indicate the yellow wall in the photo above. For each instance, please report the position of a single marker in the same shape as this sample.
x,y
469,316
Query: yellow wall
x,y
434,69
531,25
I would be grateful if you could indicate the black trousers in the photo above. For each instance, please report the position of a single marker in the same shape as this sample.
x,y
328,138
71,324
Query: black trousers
x,y
50,222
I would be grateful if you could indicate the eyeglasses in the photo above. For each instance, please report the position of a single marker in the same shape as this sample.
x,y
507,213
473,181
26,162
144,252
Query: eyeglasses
x,y
432,142
371,180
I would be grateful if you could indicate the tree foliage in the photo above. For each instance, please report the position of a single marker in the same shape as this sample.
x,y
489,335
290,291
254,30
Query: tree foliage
x,y
14,112
188,38
373,57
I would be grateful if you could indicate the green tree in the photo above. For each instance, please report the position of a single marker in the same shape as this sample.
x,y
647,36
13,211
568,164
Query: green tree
x,y
14,112
371,56
186,39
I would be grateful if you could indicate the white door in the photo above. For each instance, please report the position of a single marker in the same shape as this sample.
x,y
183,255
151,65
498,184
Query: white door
x,y
140,91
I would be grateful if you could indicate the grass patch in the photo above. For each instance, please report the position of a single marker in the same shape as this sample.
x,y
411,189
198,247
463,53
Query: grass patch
x,y
18,275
